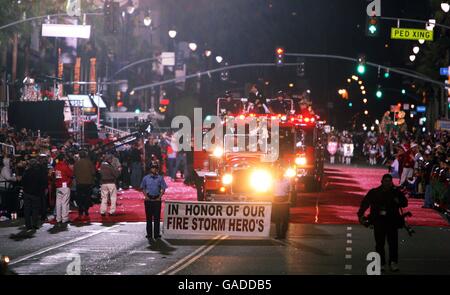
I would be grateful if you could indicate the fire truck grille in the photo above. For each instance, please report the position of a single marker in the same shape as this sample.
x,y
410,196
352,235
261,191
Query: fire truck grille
x,y
240,182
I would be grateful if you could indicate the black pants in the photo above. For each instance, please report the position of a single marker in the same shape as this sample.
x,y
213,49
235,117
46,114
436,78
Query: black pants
x,y
281,218
32,209
44,206
153,214
84,192
385,230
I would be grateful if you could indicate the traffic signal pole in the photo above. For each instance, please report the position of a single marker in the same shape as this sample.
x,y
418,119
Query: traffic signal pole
x,y
324,56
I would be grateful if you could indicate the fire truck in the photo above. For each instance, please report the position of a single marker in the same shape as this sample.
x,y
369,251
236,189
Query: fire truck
x,y
240,174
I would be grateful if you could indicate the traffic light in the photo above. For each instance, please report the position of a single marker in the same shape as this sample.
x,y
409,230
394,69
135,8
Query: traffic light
x,y
379,93
279,56
225,75
372,26
387,74
119,102
350,104
361,68
111,11
301,67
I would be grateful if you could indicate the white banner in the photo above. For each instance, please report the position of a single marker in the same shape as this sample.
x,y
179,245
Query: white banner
x,y
69,31
249,219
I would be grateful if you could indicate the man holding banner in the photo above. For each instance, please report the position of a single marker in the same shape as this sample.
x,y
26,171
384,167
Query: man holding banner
x,y
153,187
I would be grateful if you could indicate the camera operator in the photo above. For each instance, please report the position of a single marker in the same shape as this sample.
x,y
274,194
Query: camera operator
x,y
385,202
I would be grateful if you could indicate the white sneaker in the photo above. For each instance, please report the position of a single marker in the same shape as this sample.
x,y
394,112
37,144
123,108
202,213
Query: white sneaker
x,y
394,267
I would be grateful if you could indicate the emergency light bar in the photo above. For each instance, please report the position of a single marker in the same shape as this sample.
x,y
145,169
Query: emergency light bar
x,y
282,118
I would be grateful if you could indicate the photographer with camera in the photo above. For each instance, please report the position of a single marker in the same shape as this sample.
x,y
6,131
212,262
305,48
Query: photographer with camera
x,y
385,203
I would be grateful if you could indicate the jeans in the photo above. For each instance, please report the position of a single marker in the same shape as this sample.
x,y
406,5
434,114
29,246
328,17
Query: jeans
x,y
32,210
428,202
180,161
170,166
153,214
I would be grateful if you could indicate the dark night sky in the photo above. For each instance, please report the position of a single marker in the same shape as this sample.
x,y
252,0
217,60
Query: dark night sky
x,y
249,30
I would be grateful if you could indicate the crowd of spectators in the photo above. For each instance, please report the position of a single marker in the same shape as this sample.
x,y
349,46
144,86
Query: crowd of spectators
x,y
39,172
419,161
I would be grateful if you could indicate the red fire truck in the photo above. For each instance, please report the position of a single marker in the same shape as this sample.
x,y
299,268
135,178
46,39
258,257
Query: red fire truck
x,y
241,174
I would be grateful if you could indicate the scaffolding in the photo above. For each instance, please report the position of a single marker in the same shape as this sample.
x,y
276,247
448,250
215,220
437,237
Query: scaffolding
x,y
76,123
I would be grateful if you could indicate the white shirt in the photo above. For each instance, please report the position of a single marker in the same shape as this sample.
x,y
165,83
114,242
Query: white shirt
x,y
281,188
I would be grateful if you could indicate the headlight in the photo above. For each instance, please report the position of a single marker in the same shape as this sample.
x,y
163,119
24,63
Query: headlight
x,y
5,259
261,181
300,161
227,179
218,152
290,172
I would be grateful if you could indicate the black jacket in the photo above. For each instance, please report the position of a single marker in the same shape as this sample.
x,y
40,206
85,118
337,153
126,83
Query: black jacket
x,y
383,205
34,181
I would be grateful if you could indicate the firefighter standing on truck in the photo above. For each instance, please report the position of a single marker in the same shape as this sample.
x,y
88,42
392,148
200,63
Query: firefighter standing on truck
x,y
279,106
230,106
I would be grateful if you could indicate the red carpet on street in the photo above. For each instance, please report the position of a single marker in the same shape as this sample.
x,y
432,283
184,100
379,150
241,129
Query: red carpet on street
x,y
130,203
345,186
337,204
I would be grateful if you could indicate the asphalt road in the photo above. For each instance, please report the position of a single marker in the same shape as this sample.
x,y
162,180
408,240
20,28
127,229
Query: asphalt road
x,y
323,239
310,249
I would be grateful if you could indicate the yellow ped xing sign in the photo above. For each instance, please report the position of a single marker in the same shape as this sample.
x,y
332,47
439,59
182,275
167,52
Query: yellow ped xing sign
x,y
411,34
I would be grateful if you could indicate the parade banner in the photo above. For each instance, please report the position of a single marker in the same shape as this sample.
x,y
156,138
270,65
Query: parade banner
x,y
244,219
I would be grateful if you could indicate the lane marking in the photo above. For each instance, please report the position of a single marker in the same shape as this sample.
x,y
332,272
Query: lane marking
x,y
189,259
316,219
142,252
62,244
348,256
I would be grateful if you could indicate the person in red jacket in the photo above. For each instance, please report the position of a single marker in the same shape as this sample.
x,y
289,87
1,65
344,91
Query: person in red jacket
x,y
63,180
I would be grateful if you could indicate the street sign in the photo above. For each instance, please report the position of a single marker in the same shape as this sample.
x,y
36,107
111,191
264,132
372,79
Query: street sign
x,y
443,71
421,109
68,31
411,34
